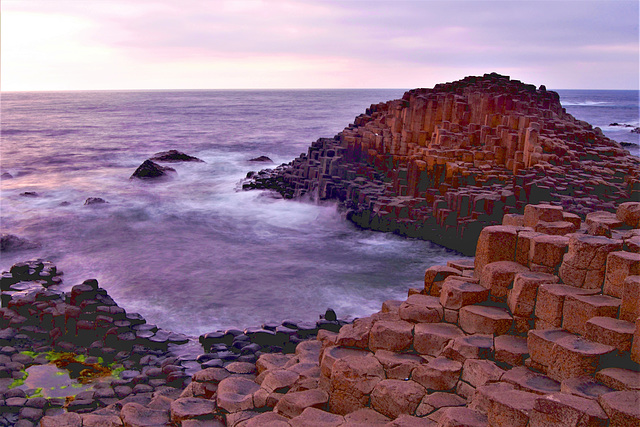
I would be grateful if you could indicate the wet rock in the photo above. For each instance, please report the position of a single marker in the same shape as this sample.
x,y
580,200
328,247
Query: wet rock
x,y
173,156
263,159
94,201
149,170
29,194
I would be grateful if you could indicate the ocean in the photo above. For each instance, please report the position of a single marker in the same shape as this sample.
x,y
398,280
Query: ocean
x,y
193,254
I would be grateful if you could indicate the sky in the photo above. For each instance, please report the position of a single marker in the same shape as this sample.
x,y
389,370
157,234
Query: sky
x,y
273,44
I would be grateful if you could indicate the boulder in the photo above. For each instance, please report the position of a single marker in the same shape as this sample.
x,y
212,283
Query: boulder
x,y
149,170
173,156
353,378
263,159
394,397
10,242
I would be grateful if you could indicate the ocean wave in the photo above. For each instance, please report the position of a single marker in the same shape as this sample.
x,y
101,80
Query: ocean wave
x,y
587,104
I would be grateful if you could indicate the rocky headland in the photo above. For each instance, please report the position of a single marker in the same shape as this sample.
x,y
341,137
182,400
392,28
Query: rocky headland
x,y
440,164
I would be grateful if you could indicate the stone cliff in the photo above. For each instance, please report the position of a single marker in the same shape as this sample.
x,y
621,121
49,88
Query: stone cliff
x,y
442,163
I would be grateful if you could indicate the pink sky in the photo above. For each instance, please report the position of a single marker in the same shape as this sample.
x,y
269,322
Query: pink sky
x,y
147,44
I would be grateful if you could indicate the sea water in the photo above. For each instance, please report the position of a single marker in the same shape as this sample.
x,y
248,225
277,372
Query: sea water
x,y
193,254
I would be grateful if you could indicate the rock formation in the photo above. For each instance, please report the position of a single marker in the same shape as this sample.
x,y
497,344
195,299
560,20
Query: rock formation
x,y
442,163
149,170
174,156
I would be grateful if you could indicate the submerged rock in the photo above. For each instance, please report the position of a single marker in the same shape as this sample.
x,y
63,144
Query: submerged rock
x,y
10,242
149,169
174,156
29,194
6,175
264,159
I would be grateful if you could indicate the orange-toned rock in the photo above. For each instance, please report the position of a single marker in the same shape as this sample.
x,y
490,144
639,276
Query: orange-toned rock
x,y
432,338
421,308
614,332
622,407
475,346
405,420
394,397
584,263
398,365
437,273
191,407
510,408
629,213
236,394
511,350
620,265
270,361
533,214
439,374
331,354
574,356
434,401
279,380
635,346
585,387
619,378
630,307
456,294
523,249
548,250
550,301
455,417
394,336
355,334
496,243
524,379
353,378
578,309
293,404
316,417
560,409
513,219
365,417
478,372
479,319
270,419
556,228
521,298
541,342
498,277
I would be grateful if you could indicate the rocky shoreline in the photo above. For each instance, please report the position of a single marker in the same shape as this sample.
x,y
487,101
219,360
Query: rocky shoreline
x,y
441,164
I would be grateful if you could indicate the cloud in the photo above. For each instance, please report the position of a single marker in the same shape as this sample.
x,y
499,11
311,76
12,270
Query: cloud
x,y
340,43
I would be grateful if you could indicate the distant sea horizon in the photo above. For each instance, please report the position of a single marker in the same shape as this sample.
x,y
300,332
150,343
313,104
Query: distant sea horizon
x,y
193,254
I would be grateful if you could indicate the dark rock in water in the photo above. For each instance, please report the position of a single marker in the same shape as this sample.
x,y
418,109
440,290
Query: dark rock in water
x,y
95,201
628,144
330,315
261,159
65,203
635,130
29,194
174,156
9,242
149,169
6,175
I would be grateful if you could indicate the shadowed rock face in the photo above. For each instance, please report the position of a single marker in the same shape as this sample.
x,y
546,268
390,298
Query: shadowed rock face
x,y
10,242
149,169
174,156
441,163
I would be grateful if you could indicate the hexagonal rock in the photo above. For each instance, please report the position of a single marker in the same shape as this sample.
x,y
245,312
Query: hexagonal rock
x,y
619,378
609,331
478,372
309,351
469,347
366,417
432,338
94,420
211,375
540,343
391,305
498,277
293,404
548,250
495,243
510,349
270,361
525,379
352,380
439,374
69,419
513,219
584,386
236,394
555,228
270,419
191,407
523,248
279,380
479,401
331,354
510,408
578,309
398,366
134,414
550,301
421,309
355,334
583,265
479,319
629,213
316,417
437,273
630,308
635,346
456,294
620,265
543,212
622,407
521,298
462,264
560,409
434,401
395,397
574,356
391,335
455,417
